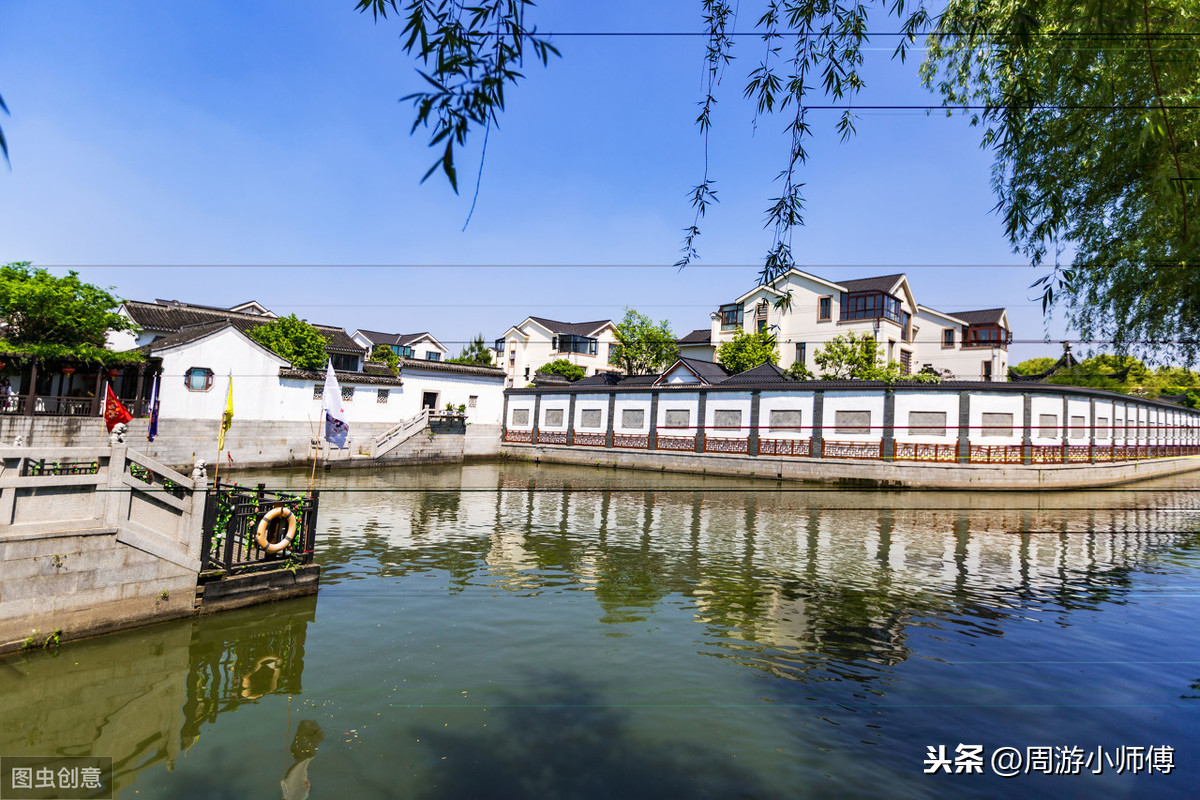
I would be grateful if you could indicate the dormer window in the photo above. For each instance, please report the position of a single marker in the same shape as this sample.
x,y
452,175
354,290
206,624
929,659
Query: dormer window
x,y
731,317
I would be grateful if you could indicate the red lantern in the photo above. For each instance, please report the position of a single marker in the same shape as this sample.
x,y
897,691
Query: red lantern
x,y
68,371
112,373
3,365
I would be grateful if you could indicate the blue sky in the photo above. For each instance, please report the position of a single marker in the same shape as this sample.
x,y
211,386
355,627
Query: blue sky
x,y
270,133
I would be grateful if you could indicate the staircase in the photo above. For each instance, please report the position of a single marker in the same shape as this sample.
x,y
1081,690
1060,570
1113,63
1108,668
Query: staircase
x,y
399,434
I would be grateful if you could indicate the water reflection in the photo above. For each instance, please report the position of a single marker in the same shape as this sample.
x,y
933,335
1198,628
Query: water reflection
x,y
776,577
144,697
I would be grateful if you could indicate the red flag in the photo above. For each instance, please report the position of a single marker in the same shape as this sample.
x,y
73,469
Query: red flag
x,y
114,412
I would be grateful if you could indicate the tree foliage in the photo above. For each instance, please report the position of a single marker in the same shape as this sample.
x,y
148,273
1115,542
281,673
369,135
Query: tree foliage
x,y
747,350
474,354
293,339
858,357
642,347
383,354
48,317
1092,111
1117,373
561,366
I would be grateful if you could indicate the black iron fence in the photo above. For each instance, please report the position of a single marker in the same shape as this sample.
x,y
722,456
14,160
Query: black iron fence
x,y
246,528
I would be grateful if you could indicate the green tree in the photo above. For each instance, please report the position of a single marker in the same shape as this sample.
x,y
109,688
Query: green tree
x,y
1035,366
294,339
1090,110
642,347
475,354
747,350
46,316
571,372
849,356
383,354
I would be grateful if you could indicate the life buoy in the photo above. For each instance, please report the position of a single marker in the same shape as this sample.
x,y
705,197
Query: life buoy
x,y
278,511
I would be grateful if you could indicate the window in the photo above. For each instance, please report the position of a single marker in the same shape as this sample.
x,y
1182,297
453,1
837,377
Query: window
x,y
987,370
198,379
554,417
318,391
344,362
997,425
906,362
612,355
728,418
760,316
852,422
761,324
433,355
800,352
678,418
785,420
870,305
985,336
1101,427
472,401
927,423
633,418
1077,426
731,317
402,350
570,343
824,309
947,337
905,320
590,418
499,346
381,396
347,394
520,416
1047,426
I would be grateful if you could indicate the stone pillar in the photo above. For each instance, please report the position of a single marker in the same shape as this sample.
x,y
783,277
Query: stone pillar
x,y
612,413
571,421
1066,428
652,436
31,390
701,412
504,418
98,397
537,417
1092,438
816,447
755,416
887,448
1026,428
964,427
137,393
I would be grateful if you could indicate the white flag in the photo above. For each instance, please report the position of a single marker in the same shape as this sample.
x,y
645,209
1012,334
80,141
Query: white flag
x,y
334,414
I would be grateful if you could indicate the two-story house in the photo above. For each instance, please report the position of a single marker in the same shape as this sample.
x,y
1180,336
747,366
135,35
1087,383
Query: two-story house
x,y
537,341
420,346
805,311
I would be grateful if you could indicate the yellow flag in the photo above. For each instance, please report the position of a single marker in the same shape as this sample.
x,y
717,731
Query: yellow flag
x,y
226,417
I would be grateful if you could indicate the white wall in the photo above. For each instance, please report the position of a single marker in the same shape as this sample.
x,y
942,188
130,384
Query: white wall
x,y
785,401
853,401
678,401
942,402
727,401
585,402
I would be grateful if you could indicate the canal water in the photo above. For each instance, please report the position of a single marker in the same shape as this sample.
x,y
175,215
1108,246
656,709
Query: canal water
x,y
520,631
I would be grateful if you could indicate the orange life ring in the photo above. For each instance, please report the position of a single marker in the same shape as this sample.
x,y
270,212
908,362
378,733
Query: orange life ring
x,y
282,544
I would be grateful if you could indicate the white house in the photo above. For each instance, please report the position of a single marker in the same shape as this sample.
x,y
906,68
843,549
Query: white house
x,y
805,311
537,341
419,346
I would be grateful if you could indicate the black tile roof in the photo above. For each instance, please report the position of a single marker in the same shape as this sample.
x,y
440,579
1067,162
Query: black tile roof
x,y
881,283
987,316
318,376
709,371
576,328
444,366
698,336
394,339
763,373
601,379
175,316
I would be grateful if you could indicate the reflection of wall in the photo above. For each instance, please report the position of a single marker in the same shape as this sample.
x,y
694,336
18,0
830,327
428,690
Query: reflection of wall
x,y
141,697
